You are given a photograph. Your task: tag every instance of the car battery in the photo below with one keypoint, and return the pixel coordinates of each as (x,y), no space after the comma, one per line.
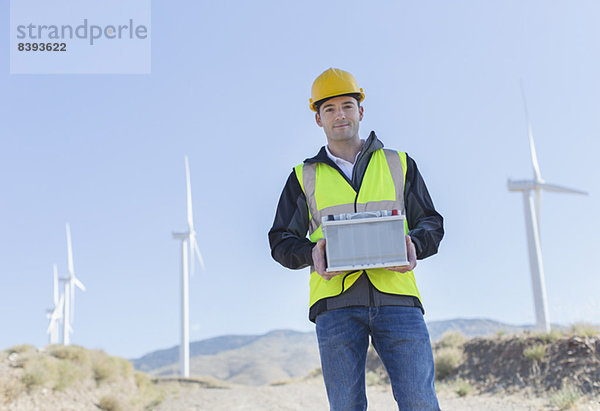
(366,240)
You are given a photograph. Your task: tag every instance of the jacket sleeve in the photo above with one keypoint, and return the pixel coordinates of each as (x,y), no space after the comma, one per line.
(425,224)
(287,237)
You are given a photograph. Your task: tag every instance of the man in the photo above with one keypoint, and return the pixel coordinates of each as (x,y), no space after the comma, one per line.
(354,175)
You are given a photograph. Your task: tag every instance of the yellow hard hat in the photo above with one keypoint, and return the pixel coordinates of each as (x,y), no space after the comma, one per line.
(334,82)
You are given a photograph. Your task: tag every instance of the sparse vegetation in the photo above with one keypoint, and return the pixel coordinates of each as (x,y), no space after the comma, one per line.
(583,330)
(371,378)
(106,368)
(446,361)
(281,382)
(537,363)
(69,373)
(463,388)
(451,339)
(110,403)
(61,368)
(151,401)
(73,353)
(39,370)
(448,354)
(149,394)
(552,336)
(10,390)
(565,398)
(21,349)
(535,353)
(500,333)
(141,380)
(317,372)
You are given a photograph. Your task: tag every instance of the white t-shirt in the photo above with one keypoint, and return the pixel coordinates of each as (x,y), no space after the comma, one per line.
(344,165)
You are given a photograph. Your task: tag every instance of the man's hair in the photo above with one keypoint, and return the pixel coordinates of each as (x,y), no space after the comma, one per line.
(319,103)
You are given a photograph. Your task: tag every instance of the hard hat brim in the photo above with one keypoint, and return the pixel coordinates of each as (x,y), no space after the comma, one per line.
(360,96)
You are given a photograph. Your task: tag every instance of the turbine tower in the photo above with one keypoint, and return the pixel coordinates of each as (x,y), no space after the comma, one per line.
(70,283)
(55,314)
(188,237)
(531,190)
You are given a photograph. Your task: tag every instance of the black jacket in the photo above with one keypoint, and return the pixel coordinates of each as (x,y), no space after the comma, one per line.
(287,237)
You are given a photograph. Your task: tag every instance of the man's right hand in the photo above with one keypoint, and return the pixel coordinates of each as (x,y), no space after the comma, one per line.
(320,263)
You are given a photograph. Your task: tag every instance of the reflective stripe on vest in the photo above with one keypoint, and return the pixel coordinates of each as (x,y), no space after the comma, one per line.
(328,192)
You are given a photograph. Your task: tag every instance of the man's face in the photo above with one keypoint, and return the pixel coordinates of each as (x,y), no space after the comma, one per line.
(339,117)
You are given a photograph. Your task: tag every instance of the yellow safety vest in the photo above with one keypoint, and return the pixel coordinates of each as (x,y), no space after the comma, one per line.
(328,192)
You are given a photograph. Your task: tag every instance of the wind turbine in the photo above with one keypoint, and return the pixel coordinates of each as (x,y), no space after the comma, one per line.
(55,314)
(531,190)
(188,237)
(70,283)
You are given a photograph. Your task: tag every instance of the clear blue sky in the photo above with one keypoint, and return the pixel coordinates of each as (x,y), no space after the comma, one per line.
(229,87)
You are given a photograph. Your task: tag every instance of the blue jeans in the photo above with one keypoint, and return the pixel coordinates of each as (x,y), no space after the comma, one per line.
(400,337)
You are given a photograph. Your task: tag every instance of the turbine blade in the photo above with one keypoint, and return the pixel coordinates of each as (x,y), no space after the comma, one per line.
(560,189)
(197,252)
(192,244)
(534,160)
(538,205)
(79,284)
(56,315)
(72,301)
(59,308)
(55,284)
(190,216)
(70,251)
(49,329)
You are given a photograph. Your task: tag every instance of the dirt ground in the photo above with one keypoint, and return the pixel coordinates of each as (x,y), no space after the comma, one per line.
(310,395)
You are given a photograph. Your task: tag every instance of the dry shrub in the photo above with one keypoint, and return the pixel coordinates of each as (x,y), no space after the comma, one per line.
(11,389)
(149,395)
(152,401)
(279,383)
(463,388)
(317,372)
(110,403)
(39,371)
(373,378)
(125,367)
(141,380)
(451,339)
(553,336)
(69,373)
(446,361)
(21,349)
(584,330)
(565,398)
(73,353)
(105,369)
(59,367)
(535,353)
(108,368)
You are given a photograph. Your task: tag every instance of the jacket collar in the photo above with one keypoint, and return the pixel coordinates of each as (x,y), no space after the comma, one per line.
(371,144)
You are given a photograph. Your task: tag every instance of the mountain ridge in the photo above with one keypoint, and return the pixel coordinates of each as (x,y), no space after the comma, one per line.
(281,354)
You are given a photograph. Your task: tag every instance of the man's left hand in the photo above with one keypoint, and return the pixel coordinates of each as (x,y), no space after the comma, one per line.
(412,258)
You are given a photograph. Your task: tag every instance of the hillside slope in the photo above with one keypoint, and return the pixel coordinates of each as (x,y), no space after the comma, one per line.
(72,378)
(277,355)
